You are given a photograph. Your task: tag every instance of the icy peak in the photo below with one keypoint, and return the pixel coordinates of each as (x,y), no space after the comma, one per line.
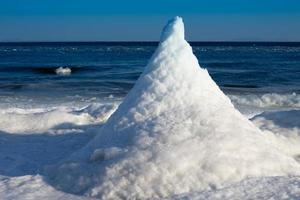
(174,28)
(175,132)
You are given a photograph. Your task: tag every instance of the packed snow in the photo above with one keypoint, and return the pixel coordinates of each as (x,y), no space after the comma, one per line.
(249,189)
(40,120)
(282,128)
(32,187)
(175,132)
(174,136)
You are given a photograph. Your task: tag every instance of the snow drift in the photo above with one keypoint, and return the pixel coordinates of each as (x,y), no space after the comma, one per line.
(267,100)
(250,189)
(175,132)
(33,121)
(282,128)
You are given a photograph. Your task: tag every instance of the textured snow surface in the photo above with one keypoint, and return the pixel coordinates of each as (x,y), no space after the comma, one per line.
(249,189)
(268,100)
(31,187)
(22,121)
(175,132)
(282,128)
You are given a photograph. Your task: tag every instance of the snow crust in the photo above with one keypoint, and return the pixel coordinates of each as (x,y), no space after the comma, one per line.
(31,187)
(35,187)
(249,189)
(253,104)
(30,121)
(282,128)
(268,100)
(175,132)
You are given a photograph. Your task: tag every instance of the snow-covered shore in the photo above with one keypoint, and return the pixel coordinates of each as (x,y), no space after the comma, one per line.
(176,136)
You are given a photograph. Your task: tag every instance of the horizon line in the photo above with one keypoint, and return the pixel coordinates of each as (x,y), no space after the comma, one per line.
(152,43)
(58,41)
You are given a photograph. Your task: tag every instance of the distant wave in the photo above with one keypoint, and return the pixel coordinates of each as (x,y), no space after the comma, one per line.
(228,64)
(63,71)
(12,86)
(46,69)
(239,86)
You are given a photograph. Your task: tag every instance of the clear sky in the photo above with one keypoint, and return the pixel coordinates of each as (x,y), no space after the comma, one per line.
(142,20)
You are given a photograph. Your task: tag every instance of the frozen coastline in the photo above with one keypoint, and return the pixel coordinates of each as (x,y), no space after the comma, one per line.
(166,138)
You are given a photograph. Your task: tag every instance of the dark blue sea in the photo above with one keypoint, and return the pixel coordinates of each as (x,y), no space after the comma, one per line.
(253,74)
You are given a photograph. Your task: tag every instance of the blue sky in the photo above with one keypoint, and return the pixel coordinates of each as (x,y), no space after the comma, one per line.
(136,20)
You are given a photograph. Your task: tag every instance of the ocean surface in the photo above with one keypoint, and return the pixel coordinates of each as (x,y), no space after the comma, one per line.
(252,74)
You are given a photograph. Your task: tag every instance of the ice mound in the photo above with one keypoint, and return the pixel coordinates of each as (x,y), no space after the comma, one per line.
(63,71)
(175,132)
